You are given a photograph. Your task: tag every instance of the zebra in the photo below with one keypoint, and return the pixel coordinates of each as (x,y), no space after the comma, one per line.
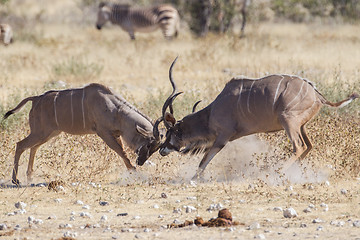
(133,19)
(6,34)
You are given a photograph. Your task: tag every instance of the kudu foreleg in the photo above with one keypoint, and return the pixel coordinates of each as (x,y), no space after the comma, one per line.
(218,145)
(116,145)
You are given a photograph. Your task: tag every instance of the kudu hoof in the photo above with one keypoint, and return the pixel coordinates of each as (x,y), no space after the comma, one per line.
(16,182)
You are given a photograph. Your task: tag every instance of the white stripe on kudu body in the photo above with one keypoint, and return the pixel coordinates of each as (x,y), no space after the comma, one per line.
(82,107)
(55,98)
(211,128)
(248,99)
(72,108)
(277,91)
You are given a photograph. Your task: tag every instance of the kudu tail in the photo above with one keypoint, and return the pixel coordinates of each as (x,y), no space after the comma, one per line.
(19,106)
(342,103)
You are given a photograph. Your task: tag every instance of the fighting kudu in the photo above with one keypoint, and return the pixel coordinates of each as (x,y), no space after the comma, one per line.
(93,109)
(244,107)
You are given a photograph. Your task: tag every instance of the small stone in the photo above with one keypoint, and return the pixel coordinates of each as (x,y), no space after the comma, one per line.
(20,205)
(356,223)
(79,202)
(177,210)
(156,206)
(72,218)
(176,221)
(136,217)
(343,191)
(103,203)
(69,234)
(161,216)
(122,214)
(103,218)
(327,183)
(319,228)
(190,209)
(303,225)
(85,215)
(86,207)
(310,187)
(58,200)
(177,201)
(317,220)
(254,225)
(38,221)
(278,209)
(3,226)
(30,219)
(17,227)
(147,230)
(260,236)
(191,198)
(289,213)
(242,201)
(290,188)
(307,210)
(163,195)
(193,183)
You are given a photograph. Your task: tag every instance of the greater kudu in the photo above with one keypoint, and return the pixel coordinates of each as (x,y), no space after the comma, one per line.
(244,107)
(93,109)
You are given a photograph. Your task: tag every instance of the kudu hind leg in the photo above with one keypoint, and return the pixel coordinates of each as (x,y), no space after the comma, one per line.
(116,145)
(296,137)
(307,142)
(30,141)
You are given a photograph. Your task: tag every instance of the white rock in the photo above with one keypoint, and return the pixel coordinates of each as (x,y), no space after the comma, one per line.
(242,201)
(156,206)
(327,183)
(126,230)
(193,183)
(260,236)
(254,225)
(176,221)
(103,218)
(191,198)
(3,226)
(86,207)
(278,209)
(38,221)
(319,228)
(72,218)
(60,189)
(214,207)
(177,210)
(311,205)
(79,202)
(11,214)
(356,223)
(136,217)
(147,230)
(290,188)
(317,220)
(161,216)
(289,213)
(190,209)
(58,200)
(70,234)
(20,211)
(20,205)
(343,191)
(30,219)
(73,213)
(85,215)
(307,210)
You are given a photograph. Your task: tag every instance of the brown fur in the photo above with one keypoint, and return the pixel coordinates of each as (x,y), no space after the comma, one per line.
(244,107)
(93,109)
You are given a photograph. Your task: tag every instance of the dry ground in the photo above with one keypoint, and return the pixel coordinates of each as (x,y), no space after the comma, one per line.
(58,54)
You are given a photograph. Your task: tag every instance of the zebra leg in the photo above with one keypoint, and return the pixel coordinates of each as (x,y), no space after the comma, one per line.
(132,35)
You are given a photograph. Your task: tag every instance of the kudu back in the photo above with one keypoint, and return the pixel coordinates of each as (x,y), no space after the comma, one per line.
(93,109)
(244,107)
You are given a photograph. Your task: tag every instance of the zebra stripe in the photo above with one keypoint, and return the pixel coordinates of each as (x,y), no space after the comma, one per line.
(134,20)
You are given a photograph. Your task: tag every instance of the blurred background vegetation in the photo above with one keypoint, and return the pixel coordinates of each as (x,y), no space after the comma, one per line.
(219,16)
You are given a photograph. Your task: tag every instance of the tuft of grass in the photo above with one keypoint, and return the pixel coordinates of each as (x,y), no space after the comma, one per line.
(76,69)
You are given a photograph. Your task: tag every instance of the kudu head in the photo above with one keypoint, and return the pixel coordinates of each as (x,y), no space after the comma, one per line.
(174,129)
(152,142)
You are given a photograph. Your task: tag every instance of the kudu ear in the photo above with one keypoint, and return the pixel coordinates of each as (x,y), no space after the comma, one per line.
(142,131)
(169,118)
